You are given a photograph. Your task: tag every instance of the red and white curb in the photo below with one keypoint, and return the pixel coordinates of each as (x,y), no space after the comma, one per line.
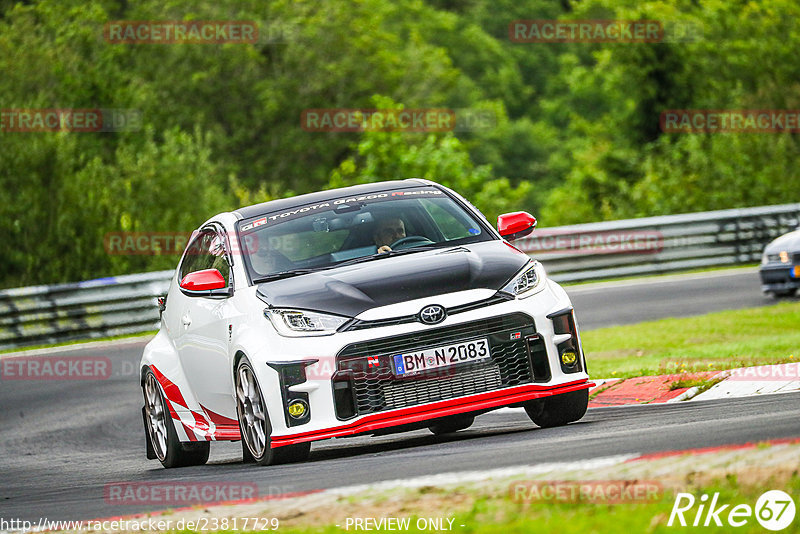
(732,383)
(750,381)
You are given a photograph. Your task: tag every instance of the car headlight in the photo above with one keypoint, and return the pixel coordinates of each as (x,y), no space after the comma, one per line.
(299,323)
(764,259)
(528,282)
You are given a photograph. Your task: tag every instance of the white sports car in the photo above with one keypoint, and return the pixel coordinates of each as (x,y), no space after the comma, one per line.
(372,309)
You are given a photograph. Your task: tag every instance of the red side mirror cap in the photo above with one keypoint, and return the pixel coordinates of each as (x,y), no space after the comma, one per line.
(205,280)
(515,225)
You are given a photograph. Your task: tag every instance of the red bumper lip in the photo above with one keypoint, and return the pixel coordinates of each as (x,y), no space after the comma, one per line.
(491,399)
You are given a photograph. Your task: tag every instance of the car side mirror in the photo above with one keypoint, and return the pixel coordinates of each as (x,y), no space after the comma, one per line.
(205,283)
(515,225)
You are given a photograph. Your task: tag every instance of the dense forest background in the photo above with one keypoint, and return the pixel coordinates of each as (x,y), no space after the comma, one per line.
(576,138)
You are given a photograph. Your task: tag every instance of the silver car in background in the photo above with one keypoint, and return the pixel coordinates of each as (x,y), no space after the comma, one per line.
(780,265)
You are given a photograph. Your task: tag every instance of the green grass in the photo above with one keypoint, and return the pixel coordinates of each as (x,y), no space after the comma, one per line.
(564,518)
(500,514)
(712,342)
(702,384)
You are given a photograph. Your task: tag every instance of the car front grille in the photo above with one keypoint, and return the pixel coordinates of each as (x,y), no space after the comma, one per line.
(398,394)
(515,351)
(776,276)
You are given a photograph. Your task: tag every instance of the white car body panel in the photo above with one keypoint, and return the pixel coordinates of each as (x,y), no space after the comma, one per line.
(195,363)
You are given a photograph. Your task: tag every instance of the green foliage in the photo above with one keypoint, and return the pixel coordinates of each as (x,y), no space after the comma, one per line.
(624,166)
(72,201)
(440,157)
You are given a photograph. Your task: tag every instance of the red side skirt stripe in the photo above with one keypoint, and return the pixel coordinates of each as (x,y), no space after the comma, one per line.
(226,428)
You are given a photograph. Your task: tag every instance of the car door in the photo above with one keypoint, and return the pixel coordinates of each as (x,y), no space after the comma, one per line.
(203,339)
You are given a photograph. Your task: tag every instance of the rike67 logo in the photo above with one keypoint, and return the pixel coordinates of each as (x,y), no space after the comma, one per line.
(774,510)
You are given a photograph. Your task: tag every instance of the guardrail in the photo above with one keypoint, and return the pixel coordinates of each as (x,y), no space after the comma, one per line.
(655,245)
(127,304)
(83,310)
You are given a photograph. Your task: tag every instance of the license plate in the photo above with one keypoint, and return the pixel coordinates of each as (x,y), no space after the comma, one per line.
(445,356)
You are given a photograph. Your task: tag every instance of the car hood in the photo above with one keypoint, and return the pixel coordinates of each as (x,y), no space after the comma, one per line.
(353,289)
(789,242)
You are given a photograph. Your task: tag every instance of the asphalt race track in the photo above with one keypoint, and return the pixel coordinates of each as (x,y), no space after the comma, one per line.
(634,301)
(63,441)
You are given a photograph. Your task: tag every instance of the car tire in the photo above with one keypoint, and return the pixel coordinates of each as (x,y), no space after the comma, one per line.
(160,428)
(254,423)
(783,294)
(282,455)
(559,409)
(289,454)
(451,424)
(247,458)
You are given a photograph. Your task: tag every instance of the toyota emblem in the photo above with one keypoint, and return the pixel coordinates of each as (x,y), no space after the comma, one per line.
(433,314)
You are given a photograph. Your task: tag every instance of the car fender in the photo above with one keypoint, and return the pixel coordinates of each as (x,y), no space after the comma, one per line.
(161,358)
(259,347)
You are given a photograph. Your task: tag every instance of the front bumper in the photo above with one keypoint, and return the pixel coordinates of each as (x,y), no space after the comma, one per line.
(526,336)
(415,414)
(364,382)
(779,277)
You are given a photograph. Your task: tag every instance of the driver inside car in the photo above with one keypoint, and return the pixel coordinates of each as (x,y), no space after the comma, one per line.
(387,232)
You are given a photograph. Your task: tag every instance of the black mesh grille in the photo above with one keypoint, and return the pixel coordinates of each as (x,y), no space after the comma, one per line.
(399,394)
(775,276)
(377,389)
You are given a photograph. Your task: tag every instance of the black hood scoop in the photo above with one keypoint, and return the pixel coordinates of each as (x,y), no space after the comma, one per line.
(353,289)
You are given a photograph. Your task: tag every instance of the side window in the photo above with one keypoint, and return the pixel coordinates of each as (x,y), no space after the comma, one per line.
(216,253)
(206,251)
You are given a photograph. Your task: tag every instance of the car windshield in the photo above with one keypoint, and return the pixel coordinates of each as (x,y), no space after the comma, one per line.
(354,229)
